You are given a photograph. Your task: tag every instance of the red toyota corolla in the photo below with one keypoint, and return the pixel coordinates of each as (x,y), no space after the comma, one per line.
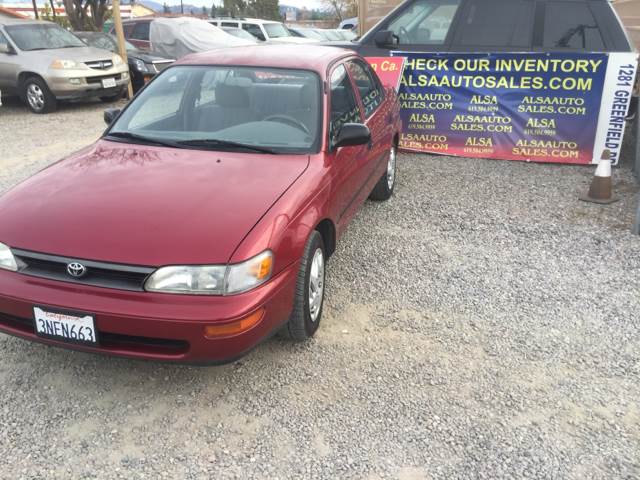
(200,223)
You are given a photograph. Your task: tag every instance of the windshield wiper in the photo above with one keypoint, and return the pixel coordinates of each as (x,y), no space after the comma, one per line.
(213,143)
(143,139)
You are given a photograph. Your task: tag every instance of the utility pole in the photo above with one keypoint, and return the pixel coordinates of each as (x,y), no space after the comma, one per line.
(35,9)
(122,49)
(181,7)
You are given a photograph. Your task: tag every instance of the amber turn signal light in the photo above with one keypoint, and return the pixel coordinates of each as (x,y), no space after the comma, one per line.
(235,327)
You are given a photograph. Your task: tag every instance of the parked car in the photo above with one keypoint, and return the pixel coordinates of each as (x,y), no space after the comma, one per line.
(304,32)
(143,66)
(349,24)
(43,63)
(496,25)
(263,30)
(136,31)
(240,33)
(201,221)
(182,36)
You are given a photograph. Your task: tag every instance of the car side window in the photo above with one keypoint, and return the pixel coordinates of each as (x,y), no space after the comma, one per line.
(141,31)
(370,91)
(254,30)
(496,23)
(344,107)
(4,41)
(425,22)
(571,25)
(229,24)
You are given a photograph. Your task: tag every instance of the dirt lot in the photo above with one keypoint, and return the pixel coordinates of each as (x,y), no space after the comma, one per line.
(481,324)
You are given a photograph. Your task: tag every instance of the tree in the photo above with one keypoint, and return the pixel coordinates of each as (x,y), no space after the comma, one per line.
(234,8)
(86,14)
(205,12)
(214,10)
(166,8)
(266,9)
(342,9)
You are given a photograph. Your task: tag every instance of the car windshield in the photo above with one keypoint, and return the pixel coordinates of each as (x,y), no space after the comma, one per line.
(42,37)
(238,32)
(277,30)
(104,41)
(223,107)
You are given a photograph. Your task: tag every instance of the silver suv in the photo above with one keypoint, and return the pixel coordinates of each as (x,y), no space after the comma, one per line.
(43,63)
(263,30)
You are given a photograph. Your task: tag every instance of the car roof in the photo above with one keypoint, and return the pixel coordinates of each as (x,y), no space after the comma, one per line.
(317,58)
(241,19)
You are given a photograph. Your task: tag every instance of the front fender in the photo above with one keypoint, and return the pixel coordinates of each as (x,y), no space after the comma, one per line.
(287,225)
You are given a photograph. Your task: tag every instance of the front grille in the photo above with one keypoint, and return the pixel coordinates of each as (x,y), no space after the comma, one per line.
(98,274)
(100,64)
(108,340)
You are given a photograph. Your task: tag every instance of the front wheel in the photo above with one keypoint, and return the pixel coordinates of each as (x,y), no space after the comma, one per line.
(384,188)
(37,96)
(309,296)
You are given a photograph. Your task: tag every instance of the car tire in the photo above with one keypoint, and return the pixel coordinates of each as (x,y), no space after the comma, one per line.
(309,295)
(37,96)
(112,98)
(384,188)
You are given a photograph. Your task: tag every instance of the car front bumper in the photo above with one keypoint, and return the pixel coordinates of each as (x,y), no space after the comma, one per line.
(146,325)
(77,84)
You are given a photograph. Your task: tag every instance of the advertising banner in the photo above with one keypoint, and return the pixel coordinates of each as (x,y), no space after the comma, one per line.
(389,70)
(541,107)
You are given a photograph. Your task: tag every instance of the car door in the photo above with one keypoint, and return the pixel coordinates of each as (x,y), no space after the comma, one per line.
(9,67)
(371,96)
(495,26)
(417,26)
(346,162)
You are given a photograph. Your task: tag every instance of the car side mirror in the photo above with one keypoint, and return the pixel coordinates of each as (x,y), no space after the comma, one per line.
(352,134)
(5,48)
(110,114)
(385,38)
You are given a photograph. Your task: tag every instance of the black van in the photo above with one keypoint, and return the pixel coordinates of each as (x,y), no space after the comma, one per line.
(497,25)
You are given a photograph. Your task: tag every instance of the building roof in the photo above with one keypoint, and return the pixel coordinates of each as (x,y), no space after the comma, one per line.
(7,12)
(306,57)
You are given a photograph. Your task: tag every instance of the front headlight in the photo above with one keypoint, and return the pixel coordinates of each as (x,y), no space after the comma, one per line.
(7,260)
(212,279)
(117,59)
(140,65)
(65,65)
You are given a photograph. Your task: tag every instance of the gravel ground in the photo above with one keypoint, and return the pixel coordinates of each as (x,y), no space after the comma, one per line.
(481,324)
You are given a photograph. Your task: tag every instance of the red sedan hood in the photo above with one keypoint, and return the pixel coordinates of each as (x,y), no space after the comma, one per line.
(145,205)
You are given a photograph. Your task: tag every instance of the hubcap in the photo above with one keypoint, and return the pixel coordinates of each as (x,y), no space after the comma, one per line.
(35,96)
(391,168)
(316,284)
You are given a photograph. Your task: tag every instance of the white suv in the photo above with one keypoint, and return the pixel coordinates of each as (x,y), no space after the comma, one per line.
(263,30)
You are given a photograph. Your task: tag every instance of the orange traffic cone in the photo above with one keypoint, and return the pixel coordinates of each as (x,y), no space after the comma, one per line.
(600,190)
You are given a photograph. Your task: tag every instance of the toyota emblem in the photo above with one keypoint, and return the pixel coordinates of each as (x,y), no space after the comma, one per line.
(76,269)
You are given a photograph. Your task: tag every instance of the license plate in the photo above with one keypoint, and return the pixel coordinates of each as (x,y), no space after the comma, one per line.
(108,82)
(65,327)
